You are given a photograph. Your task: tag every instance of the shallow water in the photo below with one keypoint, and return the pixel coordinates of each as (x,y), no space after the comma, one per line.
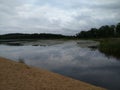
(70,59)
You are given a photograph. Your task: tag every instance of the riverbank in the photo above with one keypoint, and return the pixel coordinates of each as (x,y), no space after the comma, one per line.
(18,76)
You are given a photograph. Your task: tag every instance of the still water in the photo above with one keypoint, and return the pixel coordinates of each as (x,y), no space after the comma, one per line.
(70,59)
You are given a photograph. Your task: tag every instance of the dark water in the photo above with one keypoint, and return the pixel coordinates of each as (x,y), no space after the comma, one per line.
(70,59)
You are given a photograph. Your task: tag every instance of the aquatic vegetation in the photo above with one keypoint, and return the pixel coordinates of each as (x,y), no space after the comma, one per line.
(110,47)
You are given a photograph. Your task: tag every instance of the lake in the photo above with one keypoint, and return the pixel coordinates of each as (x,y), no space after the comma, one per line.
(69,58)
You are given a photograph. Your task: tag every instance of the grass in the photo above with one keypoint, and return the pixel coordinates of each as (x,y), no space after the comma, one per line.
(21,60)
(110,47)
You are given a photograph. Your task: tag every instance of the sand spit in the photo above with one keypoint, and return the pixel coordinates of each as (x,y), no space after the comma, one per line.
(18,76)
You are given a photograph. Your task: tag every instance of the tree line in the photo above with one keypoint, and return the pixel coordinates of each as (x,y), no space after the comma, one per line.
(102,32)
(33,36)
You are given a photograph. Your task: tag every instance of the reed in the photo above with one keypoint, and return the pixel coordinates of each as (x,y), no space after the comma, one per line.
(110,47)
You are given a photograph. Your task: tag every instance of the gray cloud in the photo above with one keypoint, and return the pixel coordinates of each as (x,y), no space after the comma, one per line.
(53,16)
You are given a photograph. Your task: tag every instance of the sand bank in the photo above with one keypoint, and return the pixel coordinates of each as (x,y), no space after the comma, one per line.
(18,76)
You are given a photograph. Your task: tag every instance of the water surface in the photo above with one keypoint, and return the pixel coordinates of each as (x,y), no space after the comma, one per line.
(69,58)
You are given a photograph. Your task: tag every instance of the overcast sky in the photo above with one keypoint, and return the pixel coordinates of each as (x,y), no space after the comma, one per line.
(56,16)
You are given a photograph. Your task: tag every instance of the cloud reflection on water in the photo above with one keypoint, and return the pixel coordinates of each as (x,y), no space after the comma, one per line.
(71,60)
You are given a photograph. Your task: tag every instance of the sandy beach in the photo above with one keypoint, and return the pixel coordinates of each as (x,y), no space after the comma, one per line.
(18,76)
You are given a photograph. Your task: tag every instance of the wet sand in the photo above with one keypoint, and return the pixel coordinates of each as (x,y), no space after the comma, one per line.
(18,76)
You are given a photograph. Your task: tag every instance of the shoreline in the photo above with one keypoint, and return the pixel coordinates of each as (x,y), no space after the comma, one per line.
(19,76)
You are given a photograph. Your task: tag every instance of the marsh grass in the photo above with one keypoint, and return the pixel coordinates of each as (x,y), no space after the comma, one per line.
(110,47)
(21,60)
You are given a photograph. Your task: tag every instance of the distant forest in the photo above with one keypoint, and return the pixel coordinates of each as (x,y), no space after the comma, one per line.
(106,31)
(33,36)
